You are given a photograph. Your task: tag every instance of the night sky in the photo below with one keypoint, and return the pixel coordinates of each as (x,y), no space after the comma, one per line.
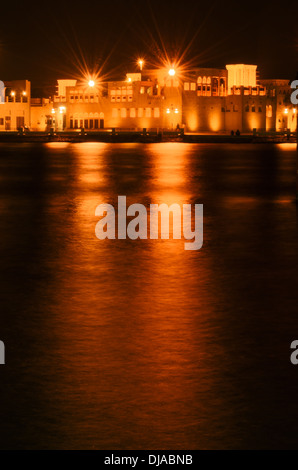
(52,41)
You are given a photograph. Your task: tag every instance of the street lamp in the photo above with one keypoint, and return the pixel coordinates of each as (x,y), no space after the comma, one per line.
(172,72)
(91,83)
(141,64)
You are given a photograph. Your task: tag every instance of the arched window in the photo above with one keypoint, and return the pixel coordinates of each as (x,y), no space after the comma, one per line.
(222,87)
(199,87)
(208,88)
(269,111)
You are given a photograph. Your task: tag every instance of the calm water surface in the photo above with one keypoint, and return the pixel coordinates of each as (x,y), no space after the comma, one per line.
(142,345)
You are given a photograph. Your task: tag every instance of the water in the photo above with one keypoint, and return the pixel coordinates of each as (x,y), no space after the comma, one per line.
(142,345)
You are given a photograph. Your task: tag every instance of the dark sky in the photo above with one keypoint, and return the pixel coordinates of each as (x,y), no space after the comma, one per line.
(51,41)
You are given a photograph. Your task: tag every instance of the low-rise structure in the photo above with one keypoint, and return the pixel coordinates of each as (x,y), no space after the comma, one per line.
(15,105)
(201,100)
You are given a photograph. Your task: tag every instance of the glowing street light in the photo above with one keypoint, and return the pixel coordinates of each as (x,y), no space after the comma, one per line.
(286,111)
(24,93)
(172,72)
(12,93)
(91,83)
(141,64)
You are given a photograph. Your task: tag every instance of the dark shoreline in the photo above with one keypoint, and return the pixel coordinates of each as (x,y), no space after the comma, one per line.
(141,137)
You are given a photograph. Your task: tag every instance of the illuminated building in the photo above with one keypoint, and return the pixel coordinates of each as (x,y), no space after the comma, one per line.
(42,117)
(152,101)
(201,100)
(15,109)
(280,112)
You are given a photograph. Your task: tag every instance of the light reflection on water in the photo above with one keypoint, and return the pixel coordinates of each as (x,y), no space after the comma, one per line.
(142,345)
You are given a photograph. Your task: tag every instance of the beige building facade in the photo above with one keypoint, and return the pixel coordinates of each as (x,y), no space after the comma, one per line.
(15,106)
(202,100)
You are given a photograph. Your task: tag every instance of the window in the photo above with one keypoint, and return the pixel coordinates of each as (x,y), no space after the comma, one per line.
(269,111)
(70,125)
(140,112)
(123,98)
(253,109)
(247,108)
(123,112)
(260,109)
(236,109)
(95,123)
(193,87)
(91,124)
(156,112)
(186,86)
(114,113)
(222,87)
(1,122)
(132,112)
(148,112)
